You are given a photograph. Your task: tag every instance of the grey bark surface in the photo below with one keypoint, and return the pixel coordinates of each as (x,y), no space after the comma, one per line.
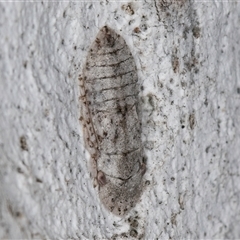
(188,57)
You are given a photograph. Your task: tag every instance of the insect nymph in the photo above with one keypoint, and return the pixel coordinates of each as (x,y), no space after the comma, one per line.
(112,128)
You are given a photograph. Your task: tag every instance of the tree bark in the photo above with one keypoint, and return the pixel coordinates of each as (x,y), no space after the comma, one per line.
(187,55)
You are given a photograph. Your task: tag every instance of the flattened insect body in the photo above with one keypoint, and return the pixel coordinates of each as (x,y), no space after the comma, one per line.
(112,128)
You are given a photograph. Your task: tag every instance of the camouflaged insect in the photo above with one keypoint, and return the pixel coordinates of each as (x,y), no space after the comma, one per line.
(112,129)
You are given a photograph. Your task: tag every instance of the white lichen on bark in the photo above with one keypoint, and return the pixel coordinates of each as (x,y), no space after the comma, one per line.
(187,56)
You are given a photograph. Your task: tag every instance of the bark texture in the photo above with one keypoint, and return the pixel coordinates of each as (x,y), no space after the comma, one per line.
(188,59)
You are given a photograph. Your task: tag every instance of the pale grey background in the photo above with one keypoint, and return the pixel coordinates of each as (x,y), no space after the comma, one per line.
(187,55)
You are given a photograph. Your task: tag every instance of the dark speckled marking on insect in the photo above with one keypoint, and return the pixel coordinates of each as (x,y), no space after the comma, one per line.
(112,129)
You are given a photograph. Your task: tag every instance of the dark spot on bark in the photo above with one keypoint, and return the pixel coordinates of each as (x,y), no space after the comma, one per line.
(137,30)
(23,143)
(19,170)
(192,120)
(133,233)
(196,32)
(38,180)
